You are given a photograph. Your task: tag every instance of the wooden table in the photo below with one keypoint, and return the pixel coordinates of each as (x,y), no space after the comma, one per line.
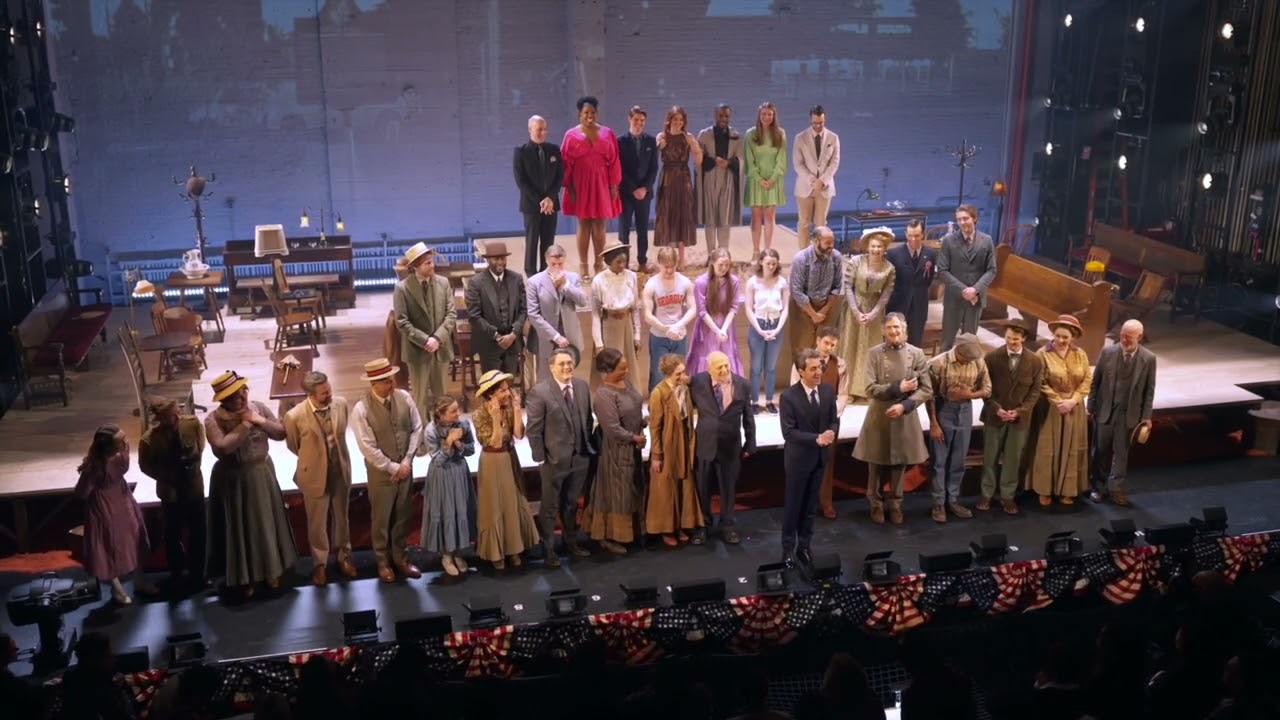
(288,388)
(165,343)
(207,284)
(862,219)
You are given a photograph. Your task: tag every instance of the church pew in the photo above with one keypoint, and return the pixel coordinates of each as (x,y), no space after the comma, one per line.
(1132,253)
(1045,293)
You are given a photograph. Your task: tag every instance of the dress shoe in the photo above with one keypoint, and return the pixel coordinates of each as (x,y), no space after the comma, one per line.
(959,510)
(731,536)
(499,564)
(551,560)
(773,409)
(1096,496)
(895,515)
(829,513)
(756,409)
(386,574)
(347,568)
(409,570)
(1119,498)
(789,557)
(699,537)
(449,568)
(515,560)
(877,515)
(804,556)
(1010,507)
(273,584)
(984,504)
(319,576)
(1067,500)
(1046,500)
(939,514)
(613,547)
(576,549)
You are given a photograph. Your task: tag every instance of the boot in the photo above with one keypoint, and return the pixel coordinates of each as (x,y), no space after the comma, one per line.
(895,512)
(877,514)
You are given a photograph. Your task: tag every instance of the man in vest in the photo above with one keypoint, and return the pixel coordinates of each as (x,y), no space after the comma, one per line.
(835,372)
(388,429)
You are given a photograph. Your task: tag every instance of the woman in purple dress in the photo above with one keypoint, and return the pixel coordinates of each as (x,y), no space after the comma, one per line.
(115,538)
(718,298)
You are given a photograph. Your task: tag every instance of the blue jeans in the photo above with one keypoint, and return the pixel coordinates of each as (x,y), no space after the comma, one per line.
(659,346)
(764,359)
(956,419)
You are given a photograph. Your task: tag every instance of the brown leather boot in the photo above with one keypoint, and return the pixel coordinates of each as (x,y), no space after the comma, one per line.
(895,513)
(877,514)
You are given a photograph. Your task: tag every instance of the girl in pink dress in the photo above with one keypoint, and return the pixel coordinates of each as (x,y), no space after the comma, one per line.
(592,172)
(115,538)
(718,297)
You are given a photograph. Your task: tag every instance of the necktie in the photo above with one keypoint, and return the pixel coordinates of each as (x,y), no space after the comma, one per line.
(719,393)
(568,396)
(387,404)
(636,140)
(542,155)
(1014,358)
(817,145)
(431,301)
(813,399)
(1126,357)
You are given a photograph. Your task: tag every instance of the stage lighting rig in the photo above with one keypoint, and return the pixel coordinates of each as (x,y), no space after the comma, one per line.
(42,603)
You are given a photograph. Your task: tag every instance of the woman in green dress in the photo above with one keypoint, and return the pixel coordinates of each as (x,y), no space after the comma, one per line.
(765,150)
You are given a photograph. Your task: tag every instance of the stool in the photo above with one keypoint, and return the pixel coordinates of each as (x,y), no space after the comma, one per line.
(462,368)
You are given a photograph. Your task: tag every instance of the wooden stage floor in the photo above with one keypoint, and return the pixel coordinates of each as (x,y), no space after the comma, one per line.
(1202,364)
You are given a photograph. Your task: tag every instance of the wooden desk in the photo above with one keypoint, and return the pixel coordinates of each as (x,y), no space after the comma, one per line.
(207,285)
(238,254)
(288,389)
(862,219)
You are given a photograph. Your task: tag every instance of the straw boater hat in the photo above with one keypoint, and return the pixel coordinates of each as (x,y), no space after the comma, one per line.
(490,380)
(1021,324)
(226,385)
(881,232)
(496,248)
(416,253)
(613,246)
(967,346)
(1067,321)
(379,369)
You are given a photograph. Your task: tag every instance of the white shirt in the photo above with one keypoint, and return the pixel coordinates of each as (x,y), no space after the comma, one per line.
(368,444)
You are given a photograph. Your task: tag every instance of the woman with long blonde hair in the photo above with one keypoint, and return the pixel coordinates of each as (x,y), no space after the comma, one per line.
(765,150)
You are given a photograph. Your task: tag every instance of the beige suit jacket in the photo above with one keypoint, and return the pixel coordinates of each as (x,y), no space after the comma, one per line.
(305,439)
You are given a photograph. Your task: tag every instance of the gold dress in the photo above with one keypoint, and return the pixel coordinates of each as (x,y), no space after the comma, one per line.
(870,289)
(504,524)
(1060,467)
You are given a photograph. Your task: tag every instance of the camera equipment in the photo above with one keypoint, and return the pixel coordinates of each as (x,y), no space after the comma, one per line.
(43,602)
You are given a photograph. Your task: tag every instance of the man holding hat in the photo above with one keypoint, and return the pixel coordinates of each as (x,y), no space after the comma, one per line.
(170,454)
(496,307)
(1120,397)
(1006,415)
(958,376)
(388,429)
(426,317)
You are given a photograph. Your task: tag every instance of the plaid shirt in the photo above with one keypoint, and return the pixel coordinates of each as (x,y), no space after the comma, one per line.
(814,279)
(946,373)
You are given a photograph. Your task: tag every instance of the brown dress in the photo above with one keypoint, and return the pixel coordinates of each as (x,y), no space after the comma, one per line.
(675,220)
(1061,464)
(504,524)
(614,500)
(672,504)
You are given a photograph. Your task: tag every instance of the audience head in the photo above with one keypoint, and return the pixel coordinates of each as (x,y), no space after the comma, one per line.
(93,651)
(8,650)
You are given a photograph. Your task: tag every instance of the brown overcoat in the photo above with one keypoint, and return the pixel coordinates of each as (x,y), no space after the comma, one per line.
(672,503)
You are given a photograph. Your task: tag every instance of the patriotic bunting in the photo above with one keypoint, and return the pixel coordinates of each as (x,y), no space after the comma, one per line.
(897,606)
(627,637)
(764,622)
(482,653)
(143,687)
(1242,553)
(1138,568)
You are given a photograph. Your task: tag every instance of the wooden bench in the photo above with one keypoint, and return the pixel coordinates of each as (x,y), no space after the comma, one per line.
(55,336)
(1132,253)
(1046,293)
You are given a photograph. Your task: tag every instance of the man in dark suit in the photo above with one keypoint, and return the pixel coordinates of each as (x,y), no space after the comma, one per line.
(1015,371)
(496,307)
(722,401)
(539,175)
(638,152)
(967,264)
(809,427)
(559,432)
(1120,397)
(915,267)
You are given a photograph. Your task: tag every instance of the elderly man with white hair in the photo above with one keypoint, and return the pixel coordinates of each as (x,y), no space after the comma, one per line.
(1120,397)
(539,172)
(725,433)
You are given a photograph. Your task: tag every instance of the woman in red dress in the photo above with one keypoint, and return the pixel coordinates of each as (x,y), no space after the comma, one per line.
(591,176)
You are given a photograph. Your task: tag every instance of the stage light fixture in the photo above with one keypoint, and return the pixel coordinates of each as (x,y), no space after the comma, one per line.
(878,569)
(1121,534)
(1213,522)
(1117,113)
(485,611)
(1139,25)
(689,592)
(826,570)
(60,123)
(42,602)
(1062,546)
(639,592)
(1048,148)
(946,562)
(771,579)
(339,225)
(1067,20)
(1202,127)
(1227,31)
(185,650)
(1048,102)
(360,627)
(566,603)
(1122,162)
(6,164)
(1173,536)
(63,181)
(990,549)
(1206,181)
(428,627)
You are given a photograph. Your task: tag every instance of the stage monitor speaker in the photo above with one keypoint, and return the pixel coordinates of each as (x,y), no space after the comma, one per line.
(428,627)
(1173,535)
(946,562)
(133,659)
(696,591)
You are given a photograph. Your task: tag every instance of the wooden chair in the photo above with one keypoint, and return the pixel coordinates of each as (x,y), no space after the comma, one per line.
(290,320)
(1146,295)
(312,300)
(39,367)
(183,319)
(1096,254)
(936,233)
(463,367)
(144,392)
(1020,237)
(191,354)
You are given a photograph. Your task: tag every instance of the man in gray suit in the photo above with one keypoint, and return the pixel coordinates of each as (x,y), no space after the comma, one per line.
(559,432)
(724,418)
(496,308)
(967,265)
(423,304)
(553,298)
(1120,396)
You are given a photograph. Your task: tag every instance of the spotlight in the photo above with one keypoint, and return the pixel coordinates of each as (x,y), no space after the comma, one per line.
(990,549)
(1122,162)
(427,627)
(1067,20)
(360,627)
(185,650)
(1117,113)
(771,579)
(1212,524)
(485,611)
(946,562)
(697,591)
(640,592)
(1227,31)
(1202,127)
(1173,536)
(65,182)
(60,123)
(825,571)
(1048,148)
(567,603)
(1062,546)
(1121,534)
(1048,102)
(878,569)
(28,138)
(6,164)
(1139,25)
(1036,221)
(1206,181)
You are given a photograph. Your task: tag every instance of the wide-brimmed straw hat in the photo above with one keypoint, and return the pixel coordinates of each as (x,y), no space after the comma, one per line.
(227,384)
(882,232)
(1068,321)
(613,246)
(379,369)
(416,253)
(490,380)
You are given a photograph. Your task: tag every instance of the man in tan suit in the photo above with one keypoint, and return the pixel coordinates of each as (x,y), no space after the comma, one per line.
(316,432)
(1015,371)
(426,317)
